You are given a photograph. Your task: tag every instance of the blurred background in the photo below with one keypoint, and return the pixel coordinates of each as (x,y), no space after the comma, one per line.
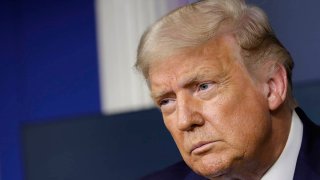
(71,105)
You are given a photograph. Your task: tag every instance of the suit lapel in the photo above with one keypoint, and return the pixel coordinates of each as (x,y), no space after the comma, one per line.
(308,163)
(194,176)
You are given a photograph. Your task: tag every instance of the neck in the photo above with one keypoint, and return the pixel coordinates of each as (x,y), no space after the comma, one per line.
(281,123)
(272,149)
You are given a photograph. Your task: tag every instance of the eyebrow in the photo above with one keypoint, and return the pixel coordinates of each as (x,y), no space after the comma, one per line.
(159,95)
(202,74)
(195,77)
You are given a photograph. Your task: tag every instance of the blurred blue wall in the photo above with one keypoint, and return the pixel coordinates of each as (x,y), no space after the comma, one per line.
(11,87)
(48,69)
(297,25)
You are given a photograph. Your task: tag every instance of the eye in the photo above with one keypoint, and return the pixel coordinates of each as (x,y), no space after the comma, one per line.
(166,105)
(164,102)
(204,86)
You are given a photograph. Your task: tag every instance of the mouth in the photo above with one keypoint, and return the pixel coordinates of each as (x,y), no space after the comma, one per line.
(202,147)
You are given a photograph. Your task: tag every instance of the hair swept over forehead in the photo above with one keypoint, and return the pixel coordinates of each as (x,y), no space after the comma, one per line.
(195,24)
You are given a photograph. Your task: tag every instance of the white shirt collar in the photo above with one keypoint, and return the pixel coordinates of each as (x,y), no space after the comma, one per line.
(284,167)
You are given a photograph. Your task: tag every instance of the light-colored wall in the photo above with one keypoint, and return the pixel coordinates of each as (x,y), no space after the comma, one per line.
(120,24)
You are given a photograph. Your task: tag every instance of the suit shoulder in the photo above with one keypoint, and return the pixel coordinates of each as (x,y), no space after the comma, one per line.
(176,171)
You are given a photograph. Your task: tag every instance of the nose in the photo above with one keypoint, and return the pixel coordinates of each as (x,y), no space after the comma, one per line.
(189,113)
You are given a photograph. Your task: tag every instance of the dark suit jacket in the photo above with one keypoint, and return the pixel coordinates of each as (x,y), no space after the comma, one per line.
(307,167)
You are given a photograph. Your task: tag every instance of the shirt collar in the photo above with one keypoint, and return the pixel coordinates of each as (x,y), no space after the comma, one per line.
(284,167)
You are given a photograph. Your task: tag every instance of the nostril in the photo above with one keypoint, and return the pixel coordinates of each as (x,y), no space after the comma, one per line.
(191,121)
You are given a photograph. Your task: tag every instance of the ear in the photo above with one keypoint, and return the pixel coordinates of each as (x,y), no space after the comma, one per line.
(277,86)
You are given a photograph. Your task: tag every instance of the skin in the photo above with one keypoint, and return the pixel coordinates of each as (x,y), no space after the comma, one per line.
(226,124)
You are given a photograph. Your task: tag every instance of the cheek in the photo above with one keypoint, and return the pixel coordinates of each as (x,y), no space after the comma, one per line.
(249,127)
(238,118)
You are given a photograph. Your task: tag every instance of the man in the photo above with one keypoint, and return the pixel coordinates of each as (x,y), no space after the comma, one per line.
(222,81)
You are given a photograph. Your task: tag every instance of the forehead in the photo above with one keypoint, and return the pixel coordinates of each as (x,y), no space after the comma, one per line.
(212,58)
(220,45)
(220,51)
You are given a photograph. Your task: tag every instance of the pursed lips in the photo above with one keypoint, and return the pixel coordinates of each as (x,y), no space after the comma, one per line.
(200,146)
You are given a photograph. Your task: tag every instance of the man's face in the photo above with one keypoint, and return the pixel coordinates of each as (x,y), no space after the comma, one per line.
(217,114)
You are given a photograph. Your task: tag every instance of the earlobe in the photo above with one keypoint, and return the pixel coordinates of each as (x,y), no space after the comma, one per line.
(277,84)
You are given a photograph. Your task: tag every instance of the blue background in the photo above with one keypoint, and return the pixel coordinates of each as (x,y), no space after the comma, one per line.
(49,70)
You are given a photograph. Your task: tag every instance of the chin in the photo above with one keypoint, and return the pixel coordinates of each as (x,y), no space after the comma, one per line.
(211,167)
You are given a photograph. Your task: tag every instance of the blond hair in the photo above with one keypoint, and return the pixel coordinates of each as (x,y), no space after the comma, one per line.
(195,24)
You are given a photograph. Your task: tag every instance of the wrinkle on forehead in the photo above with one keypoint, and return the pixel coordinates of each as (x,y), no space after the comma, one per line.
(222,51)
(219,47)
